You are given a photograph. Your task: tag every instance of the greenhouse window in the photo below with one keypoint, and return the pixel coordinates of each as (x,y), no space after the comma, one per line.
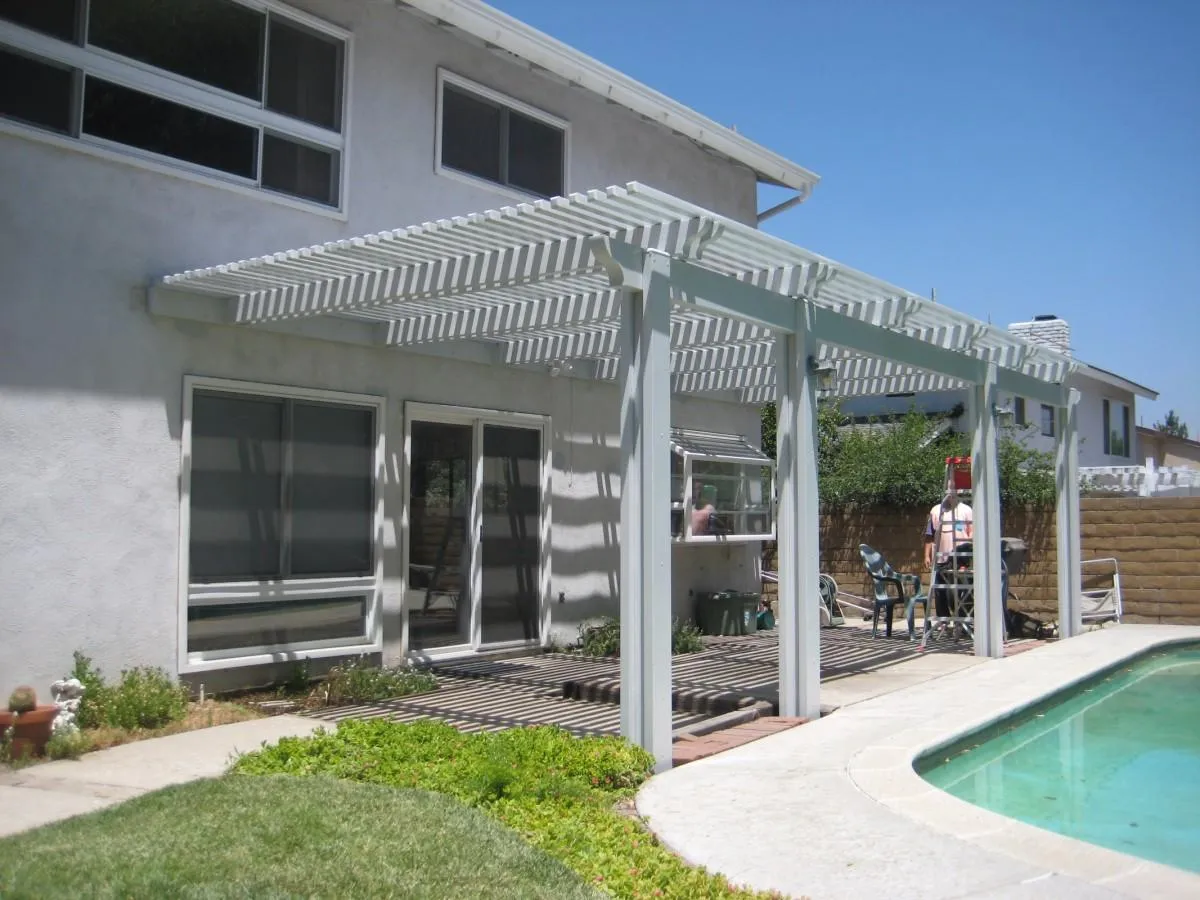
(723,488)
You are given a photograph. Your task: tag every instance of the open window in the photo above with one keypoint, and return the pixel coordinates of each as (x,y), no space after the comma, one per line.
(724,488)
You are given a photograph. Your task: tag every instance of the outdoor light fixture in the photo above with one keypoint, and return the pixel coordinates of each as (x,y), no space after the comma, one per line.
(825,375)
(1004,415)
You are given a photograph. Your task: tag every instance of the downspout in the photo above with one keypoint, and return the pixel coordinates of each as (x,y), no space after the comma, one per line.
(787,204)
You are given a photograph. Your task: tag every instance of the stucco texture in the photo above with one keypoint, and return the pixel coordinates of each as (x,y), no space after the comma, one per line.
(91,385)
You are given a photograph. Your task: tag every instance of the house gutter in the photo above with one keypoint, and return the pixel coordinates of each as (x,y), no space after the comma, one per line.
(787,204)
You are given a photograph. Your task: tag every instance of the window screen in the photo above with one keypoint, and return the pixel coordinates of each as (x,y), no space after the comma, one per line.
(280,488)
(236,502)
(332,489)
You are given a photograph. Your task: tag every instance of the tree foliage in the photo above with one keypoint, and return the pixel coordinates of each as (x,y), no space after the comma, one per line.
(905,465)
(1172,426)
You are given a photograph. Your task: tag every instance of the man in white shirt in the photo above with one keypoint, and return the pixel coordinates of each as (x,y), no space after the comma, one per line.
(948,524)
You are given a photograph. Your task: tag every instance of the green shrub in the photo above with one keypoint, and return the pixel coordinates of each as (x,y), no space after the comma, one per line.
(685,638)
(604,638)
(557,791)
(93,707)
(601,639)
(299,680)
(146,697)
(361,682)
(67,745)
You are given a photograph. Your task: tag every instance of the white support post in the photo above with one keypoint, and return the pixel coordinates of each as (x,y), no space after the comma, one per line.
(985,477)
(645,379)
(799,525)
(1070,576)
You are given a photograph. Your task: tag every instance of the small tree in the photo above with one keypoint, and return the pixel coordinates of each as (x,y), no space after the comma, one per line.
(905,466)
(1172,426)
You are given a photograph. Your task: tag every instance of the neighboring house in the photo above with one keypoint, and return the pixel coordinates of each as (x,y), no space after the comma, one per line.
(1108,435)
(1167,450)
(204,498)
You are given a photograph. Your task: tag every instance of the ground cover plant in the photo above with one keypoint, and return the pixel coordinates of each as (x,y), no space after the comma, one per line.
(560,793)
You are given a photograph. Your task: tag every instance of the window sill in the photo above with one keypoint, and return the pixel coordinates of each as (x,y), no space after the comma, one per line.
(138,160)
(196,662)
(501,190)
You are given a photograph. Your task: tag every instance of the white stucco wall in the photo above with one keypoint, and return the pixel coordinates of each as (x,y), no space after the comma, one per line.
(91,385)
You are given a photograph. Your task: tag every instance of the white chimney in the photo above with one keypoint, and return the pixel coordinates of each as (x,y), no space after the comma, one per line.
(1049,330)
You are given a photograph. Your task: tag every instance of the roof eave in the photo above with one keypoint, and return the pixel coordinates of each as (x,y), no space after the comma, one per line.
(493,27)
(1111,378)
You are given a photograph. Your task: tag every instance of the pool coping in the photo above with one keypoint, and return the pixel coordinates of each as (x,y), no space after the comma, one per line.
(866,751)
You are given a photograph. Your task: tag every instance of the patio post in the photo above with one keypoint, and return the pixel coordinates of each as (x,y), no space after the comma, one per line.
(985,477)
(645,540)
(799,524)
(1070,581)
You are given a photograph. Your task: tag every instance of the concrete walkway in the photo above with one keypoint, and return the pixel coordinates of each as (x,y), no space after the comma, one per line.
(833,809)
(48,792)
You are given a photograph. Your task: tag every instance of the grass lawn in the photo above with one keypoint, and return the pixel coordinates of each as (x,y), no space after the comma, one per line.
(564,795)
(279,836)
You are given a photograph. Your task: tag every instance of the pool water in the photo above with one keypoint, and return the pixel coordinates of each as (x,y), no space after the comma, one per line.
(1115,761)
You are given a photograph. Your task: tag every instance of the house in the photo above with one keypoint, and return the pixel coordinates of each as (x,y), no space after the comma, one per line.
(1108,435)
(222,455)
(1168,451)
(141,152)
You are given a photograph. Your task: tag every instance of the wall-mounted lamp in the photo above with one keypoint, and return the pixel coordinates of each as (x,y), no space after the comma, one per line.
(824,374)
(1004,415)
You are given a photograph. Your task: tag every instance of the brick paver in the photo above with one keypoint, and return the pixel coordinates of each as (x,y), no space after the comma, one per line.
(691,749)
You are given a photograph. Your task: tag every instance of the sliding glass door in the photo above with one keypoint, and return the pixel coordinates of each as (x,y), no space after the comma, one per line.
(510,544)
(476,507)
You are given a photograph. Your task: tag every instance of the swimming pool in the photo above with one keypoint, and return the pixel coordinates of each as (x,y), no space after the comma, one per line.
(1114,761)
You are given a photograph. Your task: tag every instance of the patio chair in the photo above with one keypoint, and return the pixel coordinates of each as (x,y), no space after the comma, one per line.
(885,580)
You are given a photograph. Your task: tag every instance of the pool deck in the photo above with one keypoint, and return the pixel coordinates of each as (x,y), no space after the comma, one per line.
(833,809)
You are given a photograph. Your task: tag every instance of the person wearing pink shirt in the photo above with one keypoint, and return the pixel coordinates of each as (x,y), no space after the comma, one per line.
(948,524)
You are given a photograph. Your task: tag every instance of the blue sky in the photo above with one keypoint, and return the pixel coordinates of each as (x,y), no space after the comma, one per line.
(1021,157)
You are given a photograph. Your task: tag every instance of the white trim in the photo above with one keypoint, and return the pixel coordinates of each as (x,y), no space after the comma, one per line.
(282,589)
(444,77)
(544,52)
(131,156)
(92,61)
(477,419)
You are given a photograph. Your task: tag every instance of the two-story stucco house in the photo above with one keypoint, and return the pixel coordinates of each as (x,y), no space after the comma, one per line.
(1108,433)
(192,496)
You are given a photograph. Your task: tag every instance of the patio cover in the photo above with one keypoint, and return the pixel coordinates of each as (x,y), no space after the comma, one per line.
(632,284)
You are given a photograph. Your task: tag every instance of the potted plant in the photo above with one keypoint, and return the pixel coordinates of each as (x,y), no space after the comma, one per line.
(27,724)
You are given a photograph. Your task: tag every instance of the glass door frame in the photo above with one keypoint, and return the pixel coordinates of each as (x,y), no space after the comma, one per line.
(477,419)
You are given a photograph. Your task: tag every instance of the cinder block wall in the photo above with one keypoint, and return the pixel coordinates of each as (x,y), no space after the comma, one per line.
(1155,541)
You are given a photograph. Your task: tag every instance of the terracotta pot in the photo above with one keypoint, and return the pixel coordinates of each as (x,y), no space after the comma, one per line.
(30,730)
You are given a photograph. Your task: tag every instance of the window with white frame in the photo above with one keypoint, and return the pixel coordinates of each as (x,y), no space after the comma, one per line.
(487,135)
(281,522)
(1019,418)
(1047,420)
(1116,429)
(252,94)
(724,488)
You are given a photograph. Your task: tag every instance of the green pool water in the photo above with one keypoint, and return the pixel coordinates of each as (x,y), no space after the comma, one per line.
(1115,761)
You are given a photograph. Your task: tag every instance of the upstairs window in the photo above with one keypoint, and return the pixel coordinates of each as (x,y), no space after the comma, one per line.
(1116,429)
(251,94)
(483,134)
(1047,420)
(1019,412)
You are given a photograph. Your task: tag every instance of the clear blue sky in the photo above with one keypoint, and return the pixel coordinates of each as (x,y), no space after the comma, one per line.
(1022,156)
